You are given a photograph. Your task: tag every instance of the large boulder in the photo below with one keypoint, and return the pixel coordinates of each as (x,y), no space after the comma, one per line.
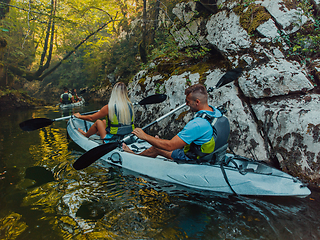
(292,126)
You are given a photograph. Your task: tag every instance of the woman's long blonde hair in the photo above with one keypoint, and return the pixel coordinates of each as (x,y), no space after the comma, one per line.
(119,97)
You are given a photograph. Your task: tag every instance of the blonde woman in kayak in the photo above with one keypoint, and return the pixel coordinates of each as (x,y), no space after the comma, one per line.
(118,114)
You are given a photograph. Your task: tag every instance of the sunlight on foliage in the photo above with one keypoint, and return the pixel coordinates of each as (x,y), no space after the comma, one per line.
(305,43)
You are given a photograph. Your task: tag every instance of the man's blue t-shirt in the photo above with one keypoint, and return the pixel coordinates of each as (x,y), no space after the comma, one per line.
(199,130)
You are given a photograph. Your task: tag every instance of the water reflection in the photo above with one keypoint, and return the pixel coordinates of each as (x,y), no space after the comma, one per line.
(42,195)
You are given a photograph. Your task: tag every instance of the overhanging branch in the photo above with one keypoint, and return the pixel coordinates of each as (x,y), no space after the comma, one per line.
(74,50)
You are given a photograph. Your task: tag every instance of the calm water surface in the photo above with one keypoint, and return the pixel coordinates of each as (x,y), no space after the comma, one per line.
(43,197)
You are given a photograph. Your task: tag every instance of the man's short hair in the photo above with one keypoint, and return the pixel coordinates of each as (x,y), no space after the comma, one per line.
(196,88)
(198,92)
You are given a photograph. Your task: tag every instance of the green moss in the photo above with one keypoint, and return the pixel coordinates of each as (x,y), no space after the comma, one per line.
(142,84)
(254,16)
(181,65)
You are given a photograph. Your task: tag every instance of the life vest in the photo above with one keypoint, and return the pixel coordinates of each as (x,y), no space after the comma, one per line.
(116,128)
(75,97)
(194,151)
(65,98)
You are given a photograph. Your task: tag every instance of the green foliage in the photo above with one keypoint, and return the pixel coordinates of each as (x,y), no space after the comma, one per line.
(24,32)
(188,81)
(159,88)
(305,44)
(102,54)
(166,47)
(75,72)
(246,3)
(197,53)
(8,91)
(306,8)
(15,52)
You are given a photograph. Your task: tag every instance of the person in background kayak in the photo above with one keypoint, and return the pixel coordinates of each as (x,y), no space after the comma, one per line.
(118,114)
(198,138)
(75,96)
(66,97)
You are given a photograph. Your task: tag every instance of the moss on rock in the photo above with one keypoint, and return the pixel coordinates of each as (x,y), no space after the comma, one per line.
(253,17)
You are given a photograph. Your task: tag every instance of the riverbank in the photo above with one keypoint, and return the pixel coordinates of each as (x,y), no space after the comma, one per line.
(12,99)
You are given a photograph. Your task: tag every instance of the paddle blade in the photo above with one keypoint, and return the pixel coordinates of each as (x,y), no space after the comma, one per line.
(93,155)
(36,123)
(157,98)
(229,77)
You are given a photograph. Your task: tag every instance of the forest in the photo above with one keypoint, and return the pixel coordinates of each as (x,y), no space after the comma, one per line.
(101,41)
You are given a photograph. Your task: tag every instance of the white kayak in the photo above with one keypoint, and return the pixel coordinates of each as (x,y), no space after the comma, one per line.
(71,105)
(237,175)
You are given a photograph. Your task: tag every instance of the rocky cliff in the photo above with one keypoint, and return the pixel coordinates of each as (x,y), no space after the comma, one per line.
(273,107)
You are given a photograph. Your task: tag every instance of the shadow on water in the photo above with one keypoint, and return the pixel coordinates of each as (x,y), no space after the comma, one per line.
(40,174)
(93,210)
(42,196)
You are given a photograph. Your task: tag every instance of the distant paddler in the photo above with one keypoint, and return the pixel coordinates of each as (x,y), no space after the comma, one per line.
(66,97)
(75,96)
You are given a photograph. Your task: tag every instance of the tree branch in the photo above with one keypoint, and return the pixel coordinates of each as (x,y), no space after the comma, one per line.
(74,50)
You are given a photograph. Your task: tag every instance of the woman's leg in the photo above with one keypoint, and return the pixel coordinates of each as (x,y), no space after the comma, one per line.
(99,127)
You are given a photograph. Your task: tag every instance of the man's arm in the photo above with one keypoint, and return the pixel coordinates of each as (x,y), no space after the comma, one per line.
(169,145)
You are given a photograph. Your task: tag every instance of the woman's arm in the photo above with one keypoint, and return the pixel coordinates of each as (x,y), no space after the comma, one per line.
(100,114)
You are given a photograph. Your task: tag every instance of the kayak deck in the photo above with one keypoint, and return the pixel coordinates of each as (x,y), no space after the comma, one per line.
(237,175)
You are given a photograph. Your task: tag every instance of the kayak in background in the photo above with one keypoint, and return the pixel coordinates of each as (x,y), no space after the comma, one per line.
(71,105)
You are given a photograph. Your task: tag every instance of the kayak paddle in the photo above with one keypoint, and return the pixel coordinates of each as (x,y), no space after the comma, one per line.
(94,154)
(36,123)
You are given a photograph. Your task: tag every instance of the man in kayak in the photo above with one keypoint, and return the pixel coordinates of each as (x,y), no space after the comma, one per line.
(66,97)
(206,132)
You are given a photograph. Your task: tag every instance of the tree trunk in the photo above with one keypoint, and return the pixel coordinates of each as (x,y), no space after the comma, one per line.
(155,23)
(142,45)
(50,34)
(4,8)
(69,54)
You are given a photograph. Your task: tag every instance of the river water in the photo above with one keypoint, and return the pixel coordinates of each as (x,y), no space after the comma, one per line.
(43,197)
